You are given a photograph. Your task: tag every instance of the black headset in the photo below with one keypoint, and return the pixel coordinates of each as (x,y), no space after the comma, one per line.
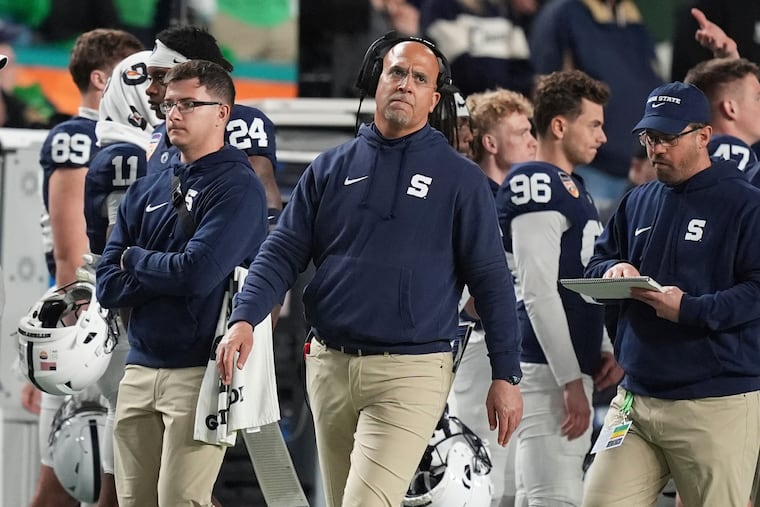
(443,116)
(372,64)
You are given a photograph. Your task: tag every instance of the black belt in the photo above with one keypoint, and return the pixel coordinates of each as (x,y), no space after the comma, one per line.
(349,350)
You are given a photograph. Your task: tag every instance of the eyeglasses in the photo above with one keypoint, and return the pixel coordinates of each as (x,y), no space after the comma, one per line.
(185,106)
(397,75)
(667,141)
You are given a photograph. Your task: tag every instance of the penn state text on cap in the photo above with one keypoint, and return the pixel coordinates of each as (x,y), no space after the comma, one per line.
(670,108)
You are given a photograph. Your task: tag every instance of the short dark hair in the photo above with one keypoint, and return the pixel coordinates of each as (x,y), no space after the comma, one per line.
(100,49)
(194,43)
(709,75)
(211,75)
(561,93)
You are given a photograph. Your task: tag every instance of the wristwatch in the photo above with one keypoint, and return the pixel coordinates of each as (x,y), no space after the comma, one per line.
(513,379)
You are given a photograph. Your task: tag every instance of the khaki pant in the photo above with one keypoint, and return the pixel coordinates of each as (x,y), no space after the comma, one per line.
(709,446)
(373,418)
(157,462)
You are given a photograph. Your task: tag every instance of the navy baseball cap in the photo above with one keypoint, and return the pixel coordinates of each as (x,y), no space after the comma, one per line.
(672,107)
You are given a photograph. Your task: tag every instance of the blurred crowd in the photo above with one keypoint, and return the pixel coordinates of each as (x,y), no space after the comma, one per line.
(247,30)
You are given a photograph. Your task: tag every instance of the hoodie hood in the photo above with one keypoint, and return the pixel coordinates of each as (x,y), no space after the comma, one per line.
(208,162)
(719,170)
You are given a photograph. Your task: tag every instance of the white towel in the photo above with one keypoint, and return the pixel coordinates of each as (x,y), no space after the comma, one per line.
(250,401)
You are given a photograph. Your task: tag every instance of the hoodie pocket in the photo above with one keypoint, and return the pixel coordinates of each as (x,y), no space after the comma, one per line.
(360,297)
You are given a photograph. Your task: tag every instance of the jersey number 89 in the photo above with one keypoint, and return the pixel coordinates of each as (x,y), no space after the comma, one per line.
(70,148)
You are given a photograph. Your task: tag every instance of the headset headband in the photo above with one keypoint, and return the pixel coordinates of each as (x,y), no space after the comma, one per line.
(372,63)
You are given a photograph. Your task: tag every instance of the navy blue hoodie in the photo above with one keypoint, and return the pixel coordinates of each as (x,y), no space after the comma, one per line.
(702,236)
(395,229)
(175,284)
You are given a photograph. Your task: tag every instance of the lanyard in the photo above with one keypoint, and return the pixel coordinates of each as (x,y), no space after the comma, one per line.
(625,408)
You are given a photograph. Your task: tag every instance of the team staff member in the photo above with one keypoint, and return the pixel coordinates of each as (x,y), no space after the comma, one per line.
(396,222)
(173,276)
(249,129)
(550,223)
(690,354)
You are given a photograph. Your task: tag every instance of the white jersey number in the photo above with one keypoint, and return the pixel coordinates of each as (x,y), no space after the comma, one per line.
(70,148)
(534,188)
(118,171)
(242,136)
(726,151)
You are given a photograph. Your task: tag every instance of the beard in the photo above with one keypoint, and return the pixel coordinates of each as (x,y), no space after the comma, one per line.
(397,117)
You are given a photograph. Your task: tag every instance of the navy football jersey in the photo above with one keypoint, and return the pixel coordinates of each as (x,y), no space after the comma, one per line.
(112,170)
(70,144)
(732,148)
(249,130)
(539,187)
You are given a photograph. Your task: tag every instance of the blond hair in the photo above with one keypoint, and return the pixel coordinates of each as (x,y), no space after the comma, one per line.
(488,108)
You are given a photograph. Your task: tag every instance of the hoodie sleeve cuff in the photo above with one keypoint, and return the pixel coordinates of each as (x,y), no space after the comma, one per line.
(505,365)
(689,313)
(131,257)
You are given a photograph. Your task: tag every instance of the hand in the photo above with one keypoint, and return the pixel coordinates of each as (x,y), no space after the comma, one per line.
(609,374)
(504,406)
(667,304)
(577,410)
(30,398)
(238,338)
(712,37)
(621,270)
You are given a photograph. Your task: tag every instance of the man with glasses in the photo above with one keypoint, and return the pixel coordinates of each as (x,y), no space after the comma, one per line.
(691,353)
(396,222)
(178,236)
(248,129)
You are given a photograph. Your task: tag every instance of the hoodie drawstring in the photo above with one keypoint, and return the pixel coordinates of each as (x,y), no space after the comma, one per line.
(398,185)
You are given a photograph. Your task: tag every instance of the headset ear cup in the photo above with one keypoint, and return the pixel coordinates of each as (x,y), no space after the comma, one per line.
(372,64)
(374,76)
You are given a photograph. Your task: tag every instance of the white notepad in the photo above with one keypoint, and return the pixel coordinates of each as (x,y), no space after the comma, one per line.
(610,288)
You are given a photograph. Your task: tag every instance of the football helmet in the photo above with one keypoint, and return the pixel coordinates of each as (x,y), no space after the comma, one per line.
(66,339)
(454,470)
(75,442)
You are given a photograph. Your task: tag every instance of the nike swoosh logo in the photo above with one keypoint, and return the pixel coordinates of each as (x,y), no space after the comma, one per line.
(350,181)
(150,208)
(639,230)
(658,105)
